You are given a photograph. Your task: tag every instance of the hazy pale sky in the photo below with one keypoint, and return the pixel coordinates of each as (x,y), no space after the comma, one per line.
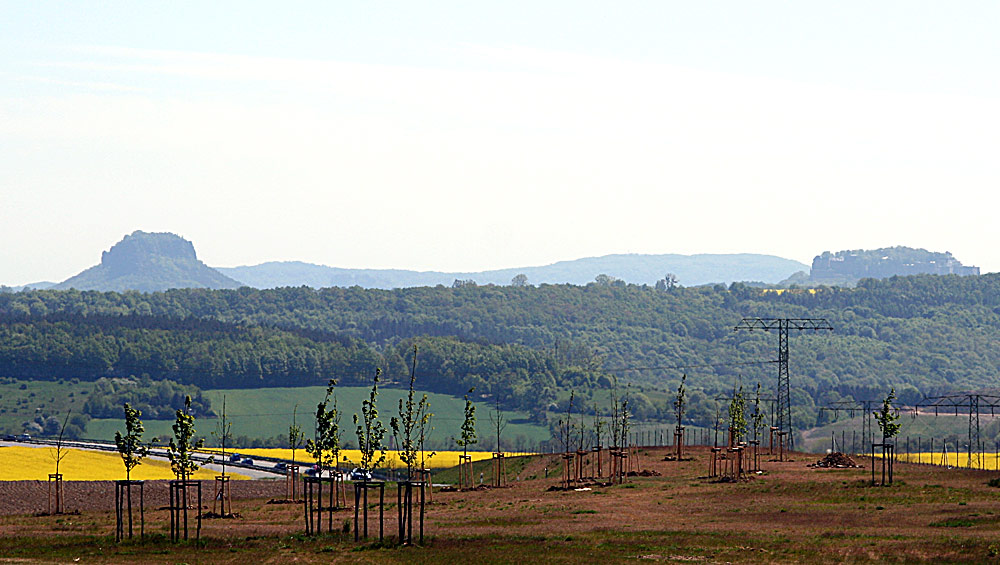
(461,136)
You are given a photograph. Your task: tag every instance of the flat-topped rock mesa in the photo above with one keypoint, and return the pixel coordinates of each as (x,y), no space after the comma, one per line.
(149,262)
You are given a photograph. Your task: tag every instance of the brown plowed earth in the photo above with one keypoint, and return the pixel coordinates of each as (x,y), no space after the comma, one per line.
(32,497)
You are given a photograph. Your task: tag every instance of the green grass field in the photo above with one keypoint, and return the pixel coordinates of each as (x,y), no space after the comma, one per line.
(19,405)
(267,412)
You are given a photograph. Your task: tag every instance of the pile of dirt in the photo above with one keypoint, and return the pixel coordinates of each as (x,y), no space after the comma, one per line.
(645,473)
(835,460)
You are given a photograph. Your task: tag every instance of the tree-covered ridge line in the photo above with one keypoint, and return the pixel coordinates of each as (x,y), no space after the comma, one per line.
(207,353)
(213,354)
(922,333)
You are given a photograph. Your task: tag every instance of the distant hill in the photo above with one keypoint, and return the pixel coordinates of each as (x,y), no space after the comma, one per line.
(690,270)
(149,262)
(41,285)
(847,267)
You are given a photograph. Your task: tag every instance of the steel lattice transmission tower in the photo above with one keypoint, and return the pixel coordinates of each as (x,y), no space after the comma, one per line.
(782,325)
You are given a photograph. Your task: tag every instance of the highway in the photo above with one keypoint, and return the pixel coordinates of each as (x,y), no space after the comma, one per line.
(261,469)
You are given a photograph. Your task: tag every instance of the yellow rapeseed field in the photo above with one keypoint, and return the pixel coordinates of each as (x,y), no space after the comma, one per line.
(19,463)
(351,457)
(988,462)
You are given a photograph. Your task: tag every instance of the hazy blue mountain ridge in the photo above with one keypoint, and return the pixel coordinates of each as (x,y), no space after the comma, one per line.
(691,270)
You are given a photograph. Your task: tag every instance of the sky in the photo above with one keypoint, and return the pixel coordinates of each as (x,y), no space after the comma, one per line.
(465,136)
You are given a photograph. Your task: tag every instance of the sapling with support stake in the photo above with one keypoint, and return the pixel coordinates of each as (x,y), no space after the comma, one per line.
(424,429)
(223,495)
(599,425)
(887,419)
(180,452)
(324,448)
(565,437)
(403,427)
(737,430)
(679,401)
(371,434)
(624,429)
(467,437)
(295,438)
(56,479)
(132,450)
(757,423)
(499,424)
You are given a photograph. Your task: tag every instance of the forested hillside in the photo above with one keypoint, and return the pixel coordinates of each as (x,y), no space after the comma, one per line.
(922,334)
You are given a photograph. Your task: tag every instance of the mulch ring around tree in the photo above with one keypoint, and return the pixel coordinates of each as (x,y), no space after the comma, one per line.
(835,460)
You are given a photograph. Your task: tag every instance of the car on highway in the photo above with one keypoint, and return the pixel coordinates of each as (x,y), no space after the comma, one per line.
(246,461)
(360,475)
(10,437)
(24,437)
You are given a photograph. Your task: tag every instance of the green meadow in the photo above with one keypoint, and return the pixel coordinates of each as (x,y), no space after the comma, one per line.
(267,412)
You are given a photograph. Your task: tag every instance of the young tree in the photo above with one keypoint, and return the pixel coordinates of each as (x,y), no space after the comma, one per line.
(180,451)
(370,430)
(679,402)
(182,445)
(295,435)
(223,433)
(498,419)
(468,431)
(566,426)
(425,428)
(625,425)
(130,446)
(466,438)
(757,418)
(403,425)
(615,415)
(599,425)
(737,416)
(887,417)
(325,445)
(132,450)
(58,455)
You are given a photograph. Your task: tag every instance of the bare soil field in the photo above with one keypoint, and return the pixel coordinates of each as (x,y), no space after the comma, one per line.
(792,513)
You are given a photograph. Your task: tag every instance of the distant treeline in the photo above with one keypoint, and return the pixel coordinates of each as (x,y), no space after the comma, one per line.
(921,334)
(212,354)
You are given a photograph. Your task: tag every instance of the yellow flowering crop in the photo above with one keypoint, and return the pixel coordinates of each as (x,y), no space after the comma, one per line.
(19,463)
(988,462)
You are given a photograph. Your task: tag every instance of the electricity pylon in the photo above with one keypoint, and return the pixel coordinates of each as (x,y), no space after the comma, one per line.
(782,325)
